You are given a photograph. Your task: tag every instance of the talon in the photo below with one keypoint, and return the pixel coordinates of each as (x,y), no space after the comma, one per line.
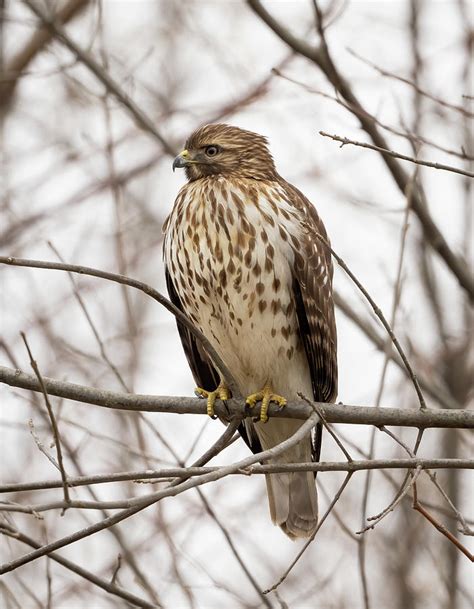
(266,396)
(221,393)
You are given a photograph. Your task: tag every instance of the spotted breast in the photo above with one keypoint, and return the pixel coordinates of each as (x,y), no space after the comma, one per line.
(234,284)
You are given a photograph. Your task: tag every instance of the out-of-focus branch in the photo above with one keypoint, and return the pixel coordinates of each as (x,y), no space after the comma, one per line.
(442,529)
(111,588)
(109,83)
(52,418)
(400,132)
(381,316)
(140,503)
(412,84)
(334,413)
(320,56)
(40,39)
(383,151)
(335,499)
(435,392)
(249,97)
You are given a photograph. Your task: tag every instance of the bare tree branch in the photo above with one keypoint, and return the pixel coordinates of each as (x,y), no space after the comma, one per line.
(111,587)
(109,83)
(412,84)
(320,56)
(38,41)
(442,529)
(140,503)
(344,141)
(52,418)
(143,287)
(334,413)
(187,472)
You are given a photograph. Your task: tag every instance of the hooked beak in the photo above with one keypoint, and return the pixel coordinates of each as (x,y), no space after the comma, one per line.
(182,160)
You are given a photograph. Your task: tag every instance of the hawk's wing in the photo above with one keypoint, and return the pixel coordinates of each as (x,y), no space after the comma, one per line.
(204,373)
(312,290)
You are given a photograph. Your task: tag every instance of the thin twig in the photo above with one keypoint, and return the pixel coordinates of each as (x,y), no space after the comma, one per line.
(464,528)
(48,583)
(413,84)
(117,569)
(41,446)
(310,540)
(6,529)
(374,520)
(331,432)
(382,318)
(142,120)
(52,418)
(397,155)
(442,529)
(143,287)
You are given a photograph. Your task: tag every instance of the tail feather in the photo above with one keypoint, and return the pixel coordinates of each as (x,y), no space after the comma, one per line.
(293,503)
(292,497)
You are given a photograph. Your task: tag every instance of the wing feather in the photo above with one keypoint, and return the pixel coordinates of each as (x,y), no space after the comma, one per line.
(312,292)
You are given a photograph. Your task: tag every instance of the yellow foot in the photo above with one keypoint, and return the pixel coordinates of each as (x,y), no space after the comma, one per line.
(265,396)
(221,393)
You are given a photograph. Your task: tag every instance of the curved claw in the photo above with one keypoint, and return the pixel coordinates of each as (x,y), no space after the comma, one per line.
(266,396)
(221,393)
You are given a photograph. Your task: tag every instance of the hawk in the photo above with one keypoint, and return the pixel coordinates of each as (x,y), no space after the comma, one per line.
(244,262)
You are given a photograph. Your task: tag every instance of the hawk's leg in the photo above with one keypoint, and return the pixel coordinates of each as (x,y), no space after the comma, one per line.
(266,396)
(221,393)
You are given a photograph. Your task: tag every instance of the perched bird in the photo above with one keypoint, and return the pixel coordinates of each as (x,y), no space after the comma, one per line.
(244,262)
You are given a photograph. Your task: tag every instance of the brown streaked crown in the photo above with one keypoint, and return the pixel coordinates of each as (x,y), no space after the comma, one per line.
(239,152)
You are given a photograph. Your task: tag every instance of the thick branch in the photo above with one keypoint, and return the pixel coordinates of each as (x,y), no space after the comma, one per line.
(334,413)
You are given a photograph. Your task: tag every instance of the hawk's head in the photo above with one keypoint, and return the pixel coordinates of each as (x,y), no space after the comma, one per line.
(224,149)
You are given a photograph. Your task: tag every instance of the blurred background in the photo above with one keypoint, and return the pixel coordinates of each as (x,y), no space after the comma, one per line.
(82,180)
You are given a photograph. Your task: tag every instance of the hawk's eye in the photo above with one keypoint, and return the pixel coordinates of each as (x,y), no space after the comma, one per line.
(212,150)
